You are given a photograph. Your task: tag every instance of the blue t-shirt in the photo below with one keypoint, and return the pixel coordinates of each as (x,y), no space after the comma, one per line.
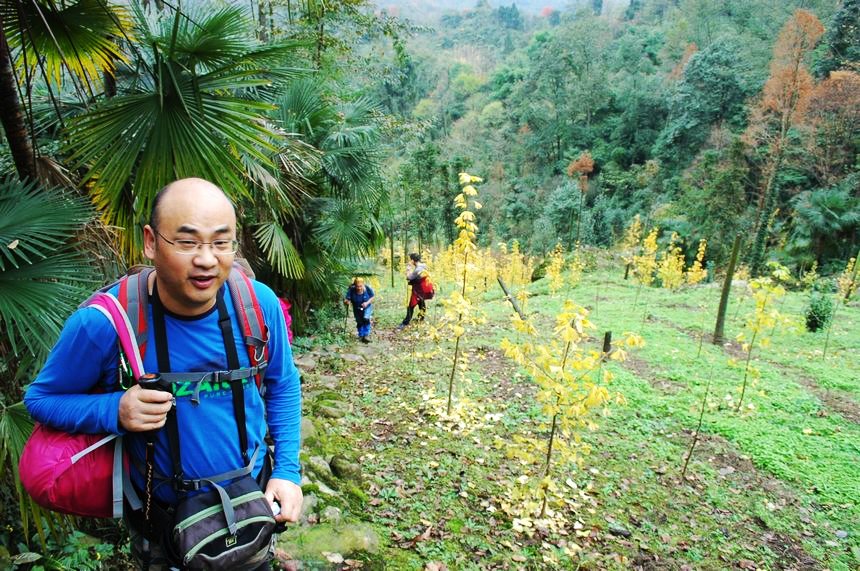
(358,298)
(85,359)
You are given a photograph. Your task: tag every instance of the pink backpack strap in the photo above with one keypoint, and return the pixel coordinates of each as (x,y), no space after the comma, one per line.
(111,308)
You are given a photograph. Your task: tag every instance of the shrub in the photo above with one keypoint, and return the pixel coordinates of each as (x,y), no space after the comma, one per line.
(819,312)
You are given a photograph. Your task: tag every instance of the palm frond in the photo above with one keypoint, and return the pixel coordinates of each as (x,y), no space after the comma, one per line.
(34,223)
(42,279)
(76,35)
(343,228)
(279,250)
(303,110)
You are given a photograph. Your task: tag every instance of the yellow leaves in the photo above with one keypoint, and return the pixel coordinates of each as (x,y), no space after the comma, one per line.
(523,326)
(846,283)
(555,268)
(618,355)
(779,272)
(632,340)
(596,397)
(696,273)
(645,263)
(466,221)
(477,205)
(671,268)
(466,178)
(632,236)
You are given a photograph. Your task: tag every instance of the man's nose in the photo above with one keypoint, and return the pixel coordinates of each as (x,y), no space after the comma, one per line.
(205,256)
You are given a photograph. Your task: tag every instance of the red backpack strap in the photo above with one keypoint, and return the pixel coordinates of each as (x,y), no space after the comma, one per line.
(133,295)
(254,328)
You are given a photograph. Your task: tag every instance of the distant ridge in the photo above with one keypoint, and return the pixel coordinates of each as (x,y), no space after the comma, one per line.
(428,9)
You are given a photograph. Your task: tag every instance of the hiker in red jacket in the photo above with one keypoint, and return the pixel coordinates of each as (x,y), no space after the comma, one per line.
(416,271)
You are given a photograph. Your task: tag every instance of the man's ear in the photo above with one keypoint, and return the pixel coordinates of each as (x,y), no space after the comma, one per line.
(149,239)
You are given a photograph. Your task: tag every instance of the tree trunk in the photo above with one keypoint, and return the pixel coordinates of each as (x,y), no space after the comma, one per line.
(769,198)
(12,115)
(262,22)
(511,298)
(391,246)
(719,332)
(320,40)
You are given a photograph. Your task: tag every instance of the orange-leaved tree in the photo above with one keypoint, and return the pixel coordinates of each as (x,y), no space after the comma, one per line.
(783,103)
(583,166)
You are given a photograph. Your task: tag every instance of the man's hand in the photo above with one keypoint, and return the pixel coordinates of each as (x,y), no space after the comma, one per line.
(289,495)
(346,302)
(144,409)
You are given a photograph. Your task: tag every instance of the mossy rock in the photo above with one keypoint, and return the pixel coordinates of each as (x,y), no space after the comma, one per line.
(332,409)
(327,394)
(309,543)
(309,433)
(318,466)
(344,468)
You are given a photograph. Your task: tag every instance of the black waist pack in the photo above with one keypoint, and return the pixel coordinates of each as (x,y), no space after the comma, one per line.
(228,527)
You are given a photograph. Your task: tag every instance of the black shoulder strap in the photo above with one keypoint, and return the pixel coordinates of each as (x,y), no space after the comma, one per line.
(236,387)
(163,355)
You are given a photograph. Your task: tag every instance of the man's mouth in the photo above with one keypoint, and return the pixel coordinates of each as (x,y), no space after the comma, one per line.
(202,282)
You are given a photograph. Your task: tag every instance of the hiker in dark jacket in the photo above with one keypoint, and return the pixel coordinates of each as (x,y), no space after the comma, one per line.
(360,296)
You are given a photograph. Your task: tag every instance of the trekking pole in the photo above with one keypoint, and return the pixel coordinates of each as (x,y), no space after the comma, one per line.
(345,316)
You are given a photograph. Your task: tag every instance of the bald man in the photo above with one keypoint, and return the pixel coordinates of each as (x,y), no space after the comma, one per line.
(191,241)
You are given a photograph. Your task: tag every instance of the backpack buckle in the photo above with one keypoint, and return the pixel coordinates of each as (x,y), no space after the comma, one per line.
(187,485)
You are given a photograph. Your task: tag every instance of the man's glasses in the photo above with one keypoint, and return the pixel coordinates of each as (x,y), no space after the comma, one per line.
(190,247)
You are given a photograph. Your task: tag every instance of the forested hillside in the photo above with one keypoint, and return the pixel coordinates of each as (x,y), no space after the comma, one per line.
(629,232)
(705,118)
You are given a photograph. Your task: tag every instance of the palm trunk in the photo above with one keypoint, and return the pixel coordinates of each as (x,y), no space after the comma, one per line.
(12,115)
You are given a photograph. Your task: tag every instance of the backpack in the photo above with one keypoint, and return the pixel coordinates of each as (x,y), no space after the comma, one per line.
(426,288)
(81,474)
(229,524)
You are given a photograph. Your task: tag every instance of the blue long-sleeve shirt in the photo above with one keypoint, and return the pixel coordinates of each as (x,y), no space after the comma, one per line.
(85,360)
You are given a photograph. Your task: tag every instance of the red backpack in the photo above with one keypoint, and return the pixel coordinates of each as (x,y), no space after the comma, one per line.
(427,290)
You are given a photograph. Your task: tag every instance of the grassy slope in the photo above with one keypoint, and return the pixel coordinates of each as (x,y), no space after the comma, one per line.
(771,487)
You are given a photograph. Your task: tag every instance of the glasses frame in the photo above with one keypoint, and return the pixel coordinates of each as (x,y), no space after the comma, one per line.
(200,245)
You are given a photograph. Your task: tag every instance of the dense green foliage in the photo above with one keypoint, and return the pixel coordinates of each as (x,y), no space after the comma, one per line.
(672,101)
(334,125)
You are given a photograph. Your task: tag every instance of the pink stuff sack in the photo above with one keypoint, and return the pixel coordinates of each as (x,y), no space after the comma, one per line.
(79,474)
(285,307)
(70,473)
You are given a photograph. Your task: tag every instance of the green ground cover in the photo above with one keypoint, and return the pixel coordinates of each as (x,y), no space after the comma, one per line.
(773,487)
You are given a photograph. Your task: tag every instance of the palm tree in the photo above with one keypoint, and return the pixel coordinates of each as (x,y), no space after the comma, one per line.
(41,39)
(42,280)
(190,107)
(333,219)
(826,222)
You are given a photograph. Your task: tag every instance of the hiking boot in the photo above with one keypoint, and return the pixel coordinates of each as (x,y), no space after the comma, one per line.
(364,339)
(400,327)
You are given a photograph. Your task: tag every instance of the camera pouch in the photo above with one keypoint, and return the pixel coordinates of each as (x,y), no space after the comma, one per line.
(228,527)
